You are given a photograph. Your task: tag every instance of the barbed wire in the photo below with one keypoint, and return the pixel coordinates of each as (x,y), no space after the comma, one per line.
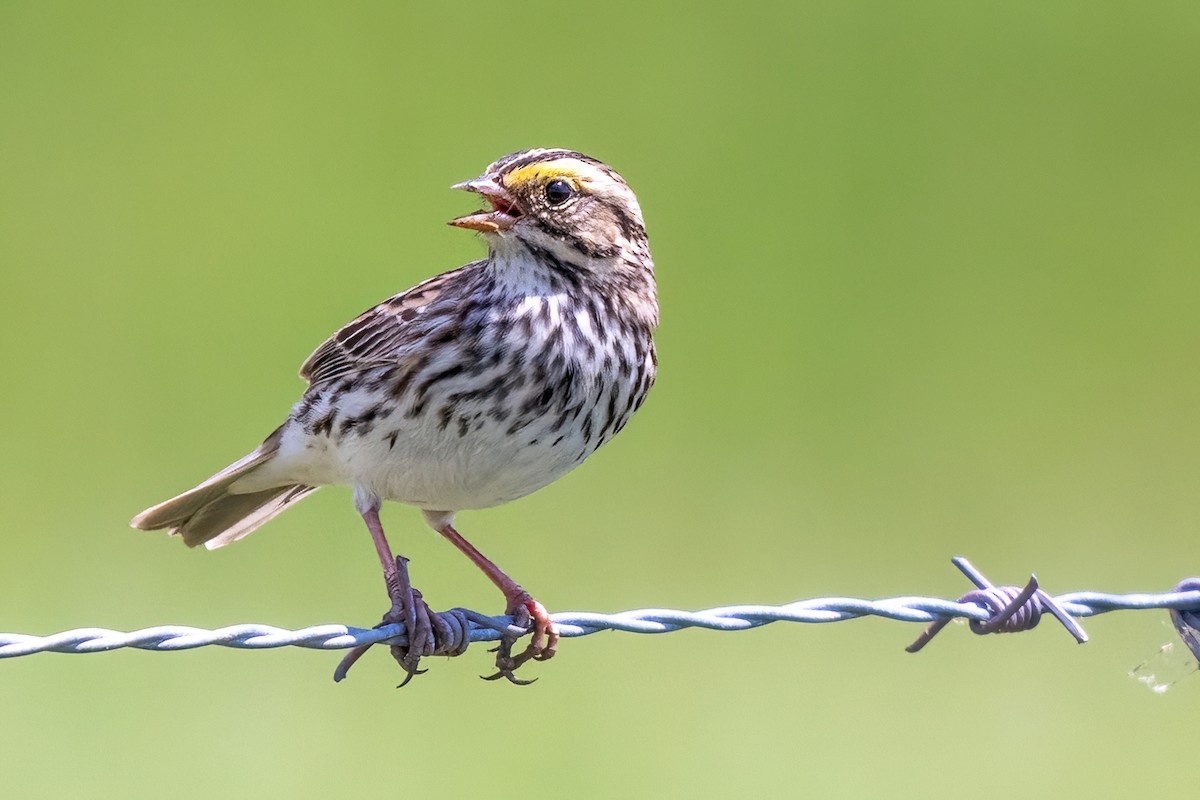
(988,609)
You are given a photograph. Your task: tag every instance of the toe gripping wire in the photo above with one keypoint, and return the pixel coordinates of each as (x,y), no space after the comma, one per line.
(428,632)
(1012,608)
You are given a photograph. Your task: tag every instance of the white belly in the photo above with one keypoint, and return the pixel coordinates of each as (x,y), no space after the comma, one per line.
(474,461)
(437,470)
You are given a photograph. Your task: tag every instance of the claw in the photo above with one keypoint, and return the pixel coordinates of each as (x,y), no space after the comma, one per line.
(411,613)
(509,676)
(343,667)
(409,676)
(530,615)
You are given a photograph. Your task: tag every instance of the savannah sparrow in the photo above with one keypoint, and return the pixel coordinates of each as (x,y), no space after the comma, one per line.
(471,389)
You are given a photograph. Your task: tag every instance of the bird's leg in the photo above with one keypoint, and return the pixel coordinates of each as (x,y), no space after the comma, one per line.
(526,612)
(408,608)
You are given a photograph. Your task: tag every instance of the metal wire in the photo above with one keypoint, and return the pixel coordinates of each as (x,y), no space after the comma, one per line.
(648,620)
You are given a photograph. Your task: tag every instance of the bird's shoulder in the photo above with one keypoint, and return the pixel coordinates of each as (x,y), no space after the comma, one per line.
(386,333)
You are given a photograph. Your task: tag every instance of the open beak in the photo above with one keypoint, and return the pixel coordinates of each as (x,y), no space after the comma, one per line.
(502,215)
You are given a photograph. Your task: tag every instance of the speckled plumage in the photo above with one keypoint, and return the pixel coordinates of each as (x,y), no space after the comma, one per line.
(478,386)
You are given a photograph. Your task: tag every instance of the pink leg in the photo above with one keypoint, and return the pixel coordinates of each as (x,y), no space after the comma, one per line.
(382,548)
(521,604)
(408,608)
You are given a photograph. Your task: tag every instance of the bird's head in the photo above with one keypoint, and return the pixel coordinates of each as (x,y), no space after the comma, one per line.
(557,201)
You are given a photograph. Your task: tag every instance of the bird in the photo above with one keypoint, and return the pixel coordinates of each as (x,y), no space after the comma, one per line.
(469,390)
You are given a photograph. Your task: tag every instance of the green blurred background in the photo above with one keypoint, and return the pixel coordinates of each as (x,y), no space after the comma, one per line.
(929,286)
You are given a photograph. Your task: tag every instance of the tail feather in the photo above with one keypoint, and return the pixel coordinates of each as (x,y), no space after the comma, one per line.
(233,516)
(212,514)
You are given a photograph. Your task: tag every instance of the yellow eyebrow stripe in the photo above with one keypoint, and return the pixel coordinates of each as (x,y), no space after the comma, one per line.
(565,168)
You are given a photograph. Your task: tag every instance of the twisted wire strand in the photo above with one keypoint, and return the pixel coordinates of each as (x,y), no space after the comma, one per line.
(251,636)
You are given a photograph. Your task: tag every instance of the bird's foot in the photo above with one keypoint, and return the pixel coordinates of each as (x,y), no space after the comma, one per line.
(426,631)
(413,614)
(531,616)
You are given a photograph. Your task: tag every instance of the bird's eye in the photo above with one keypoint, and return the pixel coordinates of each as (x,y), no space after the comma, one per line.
(558,192)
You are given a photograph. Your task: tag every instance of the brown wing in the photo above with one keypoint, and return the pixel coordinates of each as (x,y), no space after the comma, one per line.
(381,335)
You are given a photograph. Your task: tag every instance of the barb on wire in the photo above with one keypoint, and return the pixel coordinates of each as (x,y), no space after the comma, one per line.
(1013,609)
(989,609)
